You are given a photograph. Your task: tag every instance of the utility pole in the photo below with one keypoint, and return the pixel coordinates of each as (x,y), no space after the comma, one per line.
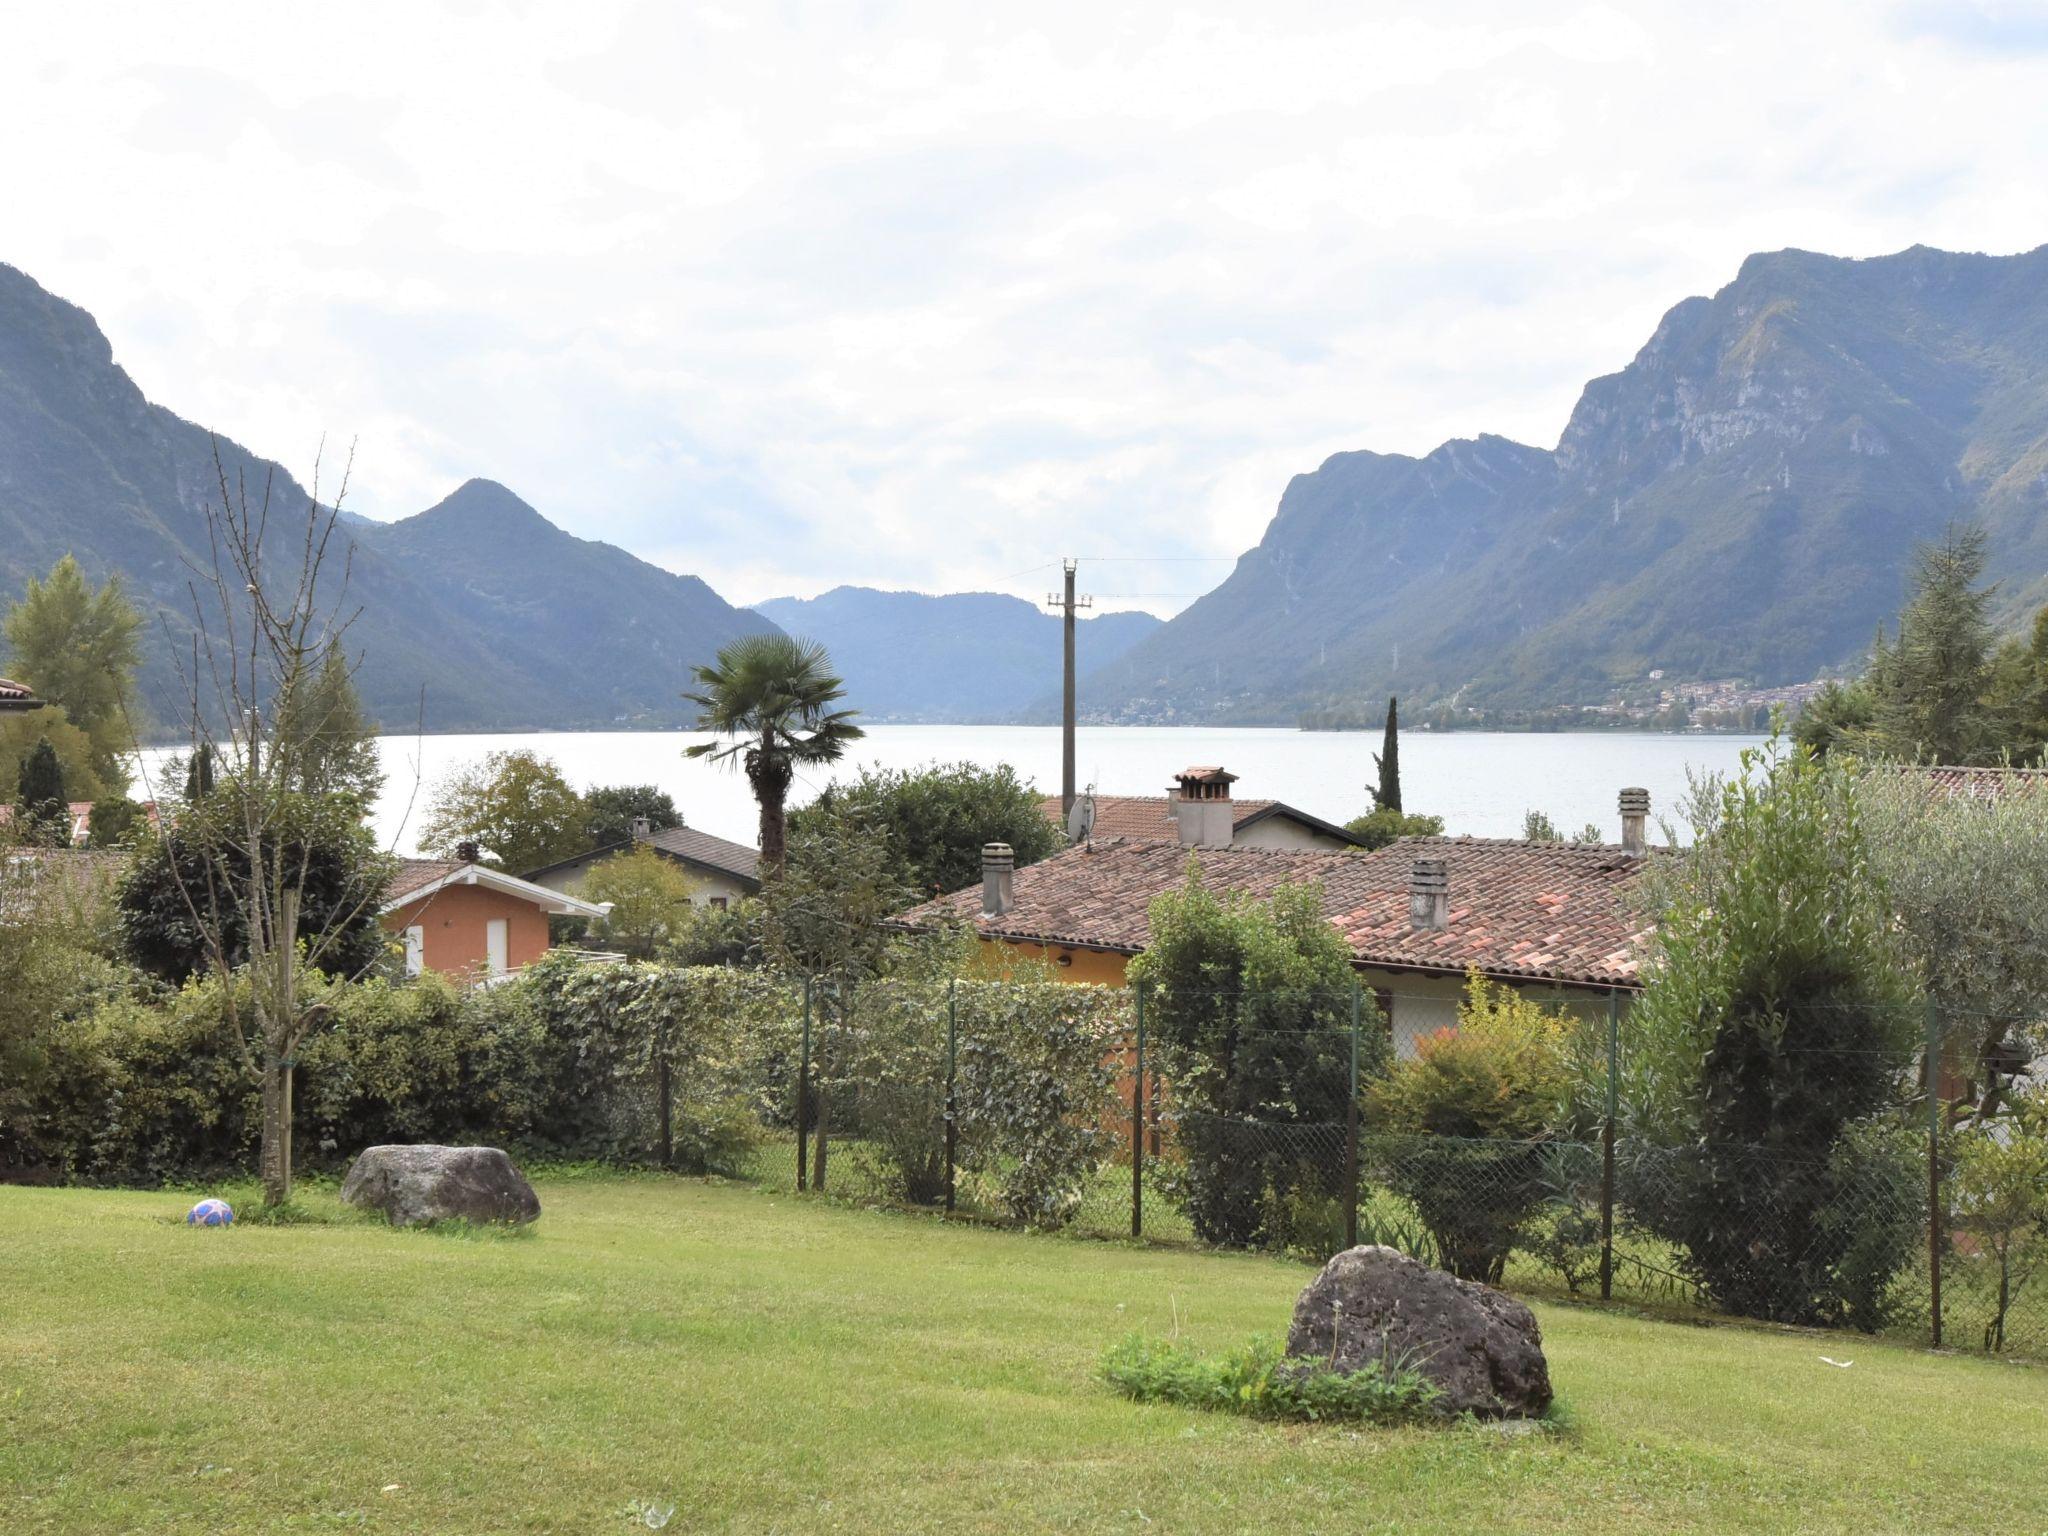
(1067,603)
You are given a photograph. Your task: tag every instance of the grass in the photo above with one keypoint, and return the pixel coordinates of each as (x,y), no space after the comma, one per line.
(767,1365)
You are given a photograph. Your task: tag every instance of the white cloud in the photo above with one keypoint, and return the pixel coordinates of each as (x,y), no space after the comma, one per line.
(921,294)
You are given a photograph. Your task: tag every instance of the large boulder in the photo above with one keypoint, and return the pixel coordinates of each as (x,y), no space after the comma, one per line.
(414,1185)
(1483,1350)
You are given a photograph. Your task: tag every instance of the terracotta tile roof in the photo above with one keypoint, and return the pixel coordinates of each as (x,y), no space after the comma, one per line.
(1146,815)
(1550,911)
(414,873)
(1980,783)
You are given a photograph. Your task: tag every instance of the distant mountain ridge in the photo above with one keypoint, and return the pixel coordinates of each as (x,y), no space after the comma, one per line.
(477,614)
(1740,501)
(969,657)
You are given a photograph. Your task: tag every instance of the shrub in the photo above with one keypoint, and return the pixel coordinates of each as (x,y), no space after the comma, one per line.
(2000,1194)
(1034,1087)
(1470,1113)
(1778,1016)
(1250,1005)
(1261,1382)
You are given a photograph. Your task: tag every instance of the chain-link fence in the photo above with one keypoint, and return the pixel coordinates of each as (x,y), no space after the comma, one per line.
(1255,1123)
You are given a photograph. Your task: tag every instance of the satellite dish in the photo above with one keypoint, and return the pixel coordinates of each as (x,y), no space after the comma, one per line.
(1081,819)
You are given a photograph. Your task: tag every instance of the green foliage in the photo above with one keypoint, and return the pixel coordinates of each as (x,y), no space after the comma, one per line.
(1473,1108)
(2016,694)
(1260,1381)
(1386,796)
(79,647)
(1967,877)
(1929,687)
(729,936)
(1539,828)
(40,798)
(115,822)
(1378,828)
(649,897)
(1250,1007)
(183,902)
(821,914)
(611,809)
(327,742)
(21,734)
(1999,1196)
(935,820)
(773,701)
(515,806)
(1841,716)
(1039,1064)
(1778,1014)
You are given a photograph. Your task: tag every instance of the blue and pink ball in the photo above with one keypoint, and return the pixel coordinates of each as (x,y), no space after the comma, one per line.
(210,1213)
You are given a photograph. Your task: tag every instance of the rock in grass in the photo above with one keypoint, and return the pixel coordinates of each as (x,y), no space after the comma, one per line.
(1481,1350)
(415,1185)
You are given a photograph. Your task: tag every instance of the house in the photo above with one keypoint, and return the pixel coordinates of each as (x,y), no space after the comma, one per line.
(15,697)
(1199,811)
(462,918)
(1551,919)
(720,872)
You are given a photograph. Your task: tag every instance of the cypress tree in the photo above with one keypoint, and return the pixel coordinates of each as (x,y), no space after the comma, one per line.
(40,793)
(199,772)
(1388,760)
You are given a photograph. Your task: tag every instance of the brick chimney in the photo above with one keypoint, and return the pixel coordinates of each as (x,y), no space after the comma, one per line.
(467,852)
(643,829)
(998,872)
(1635,817)
(1429,895)
(1202,808)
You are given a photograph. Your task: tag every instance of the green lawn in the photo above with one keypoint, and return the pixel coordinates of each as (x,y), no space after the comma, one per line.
(766,1366)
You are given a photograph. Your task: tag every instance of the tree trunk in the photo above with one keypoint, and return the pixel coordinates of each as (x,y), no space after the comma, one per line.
(769,774)
(274,1160)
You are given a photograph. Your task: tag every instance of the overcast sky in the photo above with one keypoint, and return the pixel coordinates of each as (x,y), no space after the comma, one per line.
(925,296)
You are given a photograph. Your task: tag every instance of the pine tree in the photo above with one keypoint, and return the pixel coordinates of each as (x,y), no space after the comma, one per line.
(1388,760)
(1930,685)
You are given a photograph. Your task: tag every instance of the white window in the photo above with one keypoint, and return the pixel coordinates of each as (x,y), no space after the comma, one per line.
(415,950)
(497,945)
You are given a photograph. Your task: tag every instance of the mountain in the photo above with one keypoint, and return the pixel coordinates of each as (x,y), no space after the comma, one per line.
(1740,501)
(966,656)
(475,615)
(604,635)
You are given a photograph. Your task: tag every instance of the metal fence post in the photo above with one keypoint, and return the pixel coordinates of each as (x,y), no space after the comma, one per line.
(1607,1146)
(1138,1124)
(952,1067)
(1351,1127)
(803,1096)
(1934,1215)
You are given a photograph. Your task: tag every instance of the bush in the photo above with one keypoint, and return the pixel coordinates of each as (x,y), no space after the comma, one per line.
(1250,1007)
(1469,1115)
(1259,1381)
(1778,1016)
(2000,1193)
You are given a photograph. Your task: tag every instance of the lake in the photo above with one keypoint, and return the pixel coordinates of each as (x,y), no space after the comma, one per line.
(1479,782)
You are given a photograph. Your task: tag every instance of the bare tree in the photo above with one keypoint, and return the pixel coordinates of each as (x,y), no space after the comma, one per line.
(280,917)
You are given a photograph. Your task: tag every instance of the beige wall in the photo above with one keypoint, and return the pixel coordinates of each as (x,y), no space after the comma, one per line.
(1283,832)
(706,886)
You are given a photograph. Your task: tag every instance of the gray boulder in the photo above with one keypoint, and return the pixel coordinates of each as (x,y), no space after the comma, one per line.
(414,1185)
(1483,1350)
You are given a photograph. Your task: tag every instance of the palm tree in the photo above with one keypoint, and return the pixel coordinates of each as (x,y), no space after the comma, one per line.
(772,698)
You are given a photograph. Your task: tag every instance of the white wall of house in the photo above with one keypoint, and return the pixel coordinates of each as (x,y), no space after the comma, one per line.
(1284,832)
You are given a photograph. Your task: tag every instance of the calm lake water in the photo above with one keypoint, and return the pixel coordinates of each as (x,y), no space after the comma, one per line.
(1479,783)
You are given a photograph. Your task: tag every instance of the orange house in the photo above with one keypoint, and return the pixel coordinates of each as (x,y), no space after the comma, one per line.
(463,919)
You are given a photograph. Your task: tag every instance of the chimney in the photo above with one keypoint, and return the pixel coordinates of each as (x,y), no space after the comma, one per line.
(998,870)
(1429,895)
(642,829)
(467,851)
(1635,816)
(1202,808)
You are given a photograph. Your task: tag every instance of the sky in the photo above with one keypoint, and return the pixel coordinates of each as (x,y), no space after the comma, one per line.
(930,296)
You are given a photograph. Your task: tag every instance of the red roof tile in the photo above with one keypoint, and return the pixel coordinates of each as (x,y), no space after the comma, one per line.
(1144,815)
(1551,911)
